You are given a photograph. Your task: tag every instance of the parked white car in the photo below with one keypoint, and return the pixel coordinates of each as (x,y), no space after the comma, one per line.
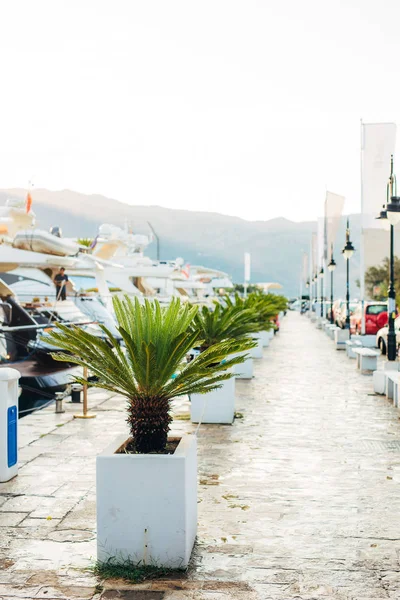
(381,336)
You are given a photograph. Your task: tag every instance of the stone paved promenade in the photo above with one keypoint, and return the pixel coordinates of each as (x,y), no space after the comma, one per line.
(298,500)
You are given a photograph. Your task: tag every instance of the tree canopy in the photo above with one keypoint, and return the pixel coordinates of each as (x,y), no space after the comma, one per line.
(377,280)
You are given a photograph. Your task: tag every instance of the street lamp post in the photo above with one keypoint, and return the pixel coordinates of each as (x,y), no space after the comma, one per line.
(316,288)
(347,252)
(392,214)
(331,268)
(321,275)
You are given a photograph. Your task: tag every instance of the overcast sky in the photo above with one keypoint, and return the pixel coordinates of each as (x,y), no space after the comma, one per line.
(248,108)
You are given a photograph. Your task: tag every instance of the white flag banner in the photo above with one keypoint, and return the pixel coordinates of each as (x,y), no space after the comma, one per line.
(333,212)
(305,268)
(314,253)
(378,145)
(321,241)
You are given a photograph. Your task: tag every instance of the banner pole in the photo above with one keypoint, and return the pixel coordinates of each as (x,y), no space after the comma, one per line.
(362,259)
(301,292)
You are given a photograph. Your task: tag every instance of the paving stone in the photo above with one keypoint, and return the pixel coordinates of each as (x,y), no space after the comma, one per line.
(17,591)
(133,595)
(40,523)
(82,517)
(66,592)
(27,503)
(9,519)
(55,508)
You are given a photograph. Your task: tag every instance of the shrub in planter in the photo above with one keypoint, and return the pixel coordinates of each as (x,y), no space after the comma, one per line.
(229,324)
(265,306)
(254,329)
(146,491)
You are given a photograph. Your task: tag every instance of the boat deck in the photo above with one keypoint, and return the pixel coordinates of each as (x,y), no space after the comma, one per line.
(31,368)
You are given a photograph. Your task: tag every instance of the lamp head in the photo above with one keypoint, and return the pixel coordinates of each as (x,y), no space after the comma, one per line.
(348,251)
(332,265)
(382,214)
(393,210)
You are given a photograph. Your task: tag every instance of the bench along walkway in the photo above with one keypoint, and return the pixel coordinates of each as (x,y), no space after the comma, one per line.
(367,359)
(298,499)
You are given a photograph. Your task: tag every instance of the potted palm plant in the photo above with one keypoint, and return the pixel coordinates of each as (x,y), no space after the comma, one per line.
(147,479)
(254,330)
(231,325)
(275,304)
(265,311)
(266,308)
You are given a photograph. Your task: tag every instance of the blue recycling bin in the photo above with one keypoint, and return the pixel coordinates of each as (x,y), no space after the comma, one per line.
(8,423)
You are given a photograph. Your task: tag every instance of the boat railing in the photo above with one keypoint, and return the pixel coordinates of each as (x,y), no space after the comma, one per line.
(45,325)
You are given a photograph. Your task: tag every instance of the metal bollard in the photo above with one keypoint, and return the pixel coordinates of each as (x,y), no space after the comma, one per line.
(59,402)
(76,390)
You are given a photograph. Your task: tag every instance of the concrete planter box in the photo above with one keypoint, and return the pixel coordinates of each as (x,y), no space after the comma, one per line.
(257,352)
(379,381)
(215,407)
(341,336)
(331,331)
(265,338)
(244,370)
(368,341)
(379,376)
(147,505)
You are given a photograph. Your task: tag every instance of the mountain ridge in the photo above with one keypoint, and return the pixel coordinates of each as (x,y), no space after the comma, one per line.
(56,195)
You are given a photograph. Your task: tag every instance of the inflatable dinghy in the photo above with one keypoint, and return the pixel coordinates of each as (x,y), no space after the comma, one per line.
(38,240)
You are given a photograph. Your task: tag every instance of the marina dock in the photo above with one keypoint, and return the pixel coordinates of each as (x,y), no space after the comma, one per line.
(298,499)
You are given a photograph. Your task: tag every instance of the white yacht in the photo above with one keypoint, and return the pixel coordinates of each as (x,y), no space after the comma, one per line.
(116,263)
(140,275)
(30,257)
(205,284)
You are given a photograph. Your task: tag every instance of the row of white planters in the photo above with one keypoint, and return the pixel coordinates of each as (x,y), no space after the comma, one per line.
(147,503)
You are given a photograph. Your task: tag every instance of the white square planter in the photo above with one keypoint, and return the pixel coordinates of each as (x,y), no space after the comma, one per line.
(257,352)
(264,336)
(341,337)
(244,370)
(379,381)
(147,505)
(215,407)
(368,341)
